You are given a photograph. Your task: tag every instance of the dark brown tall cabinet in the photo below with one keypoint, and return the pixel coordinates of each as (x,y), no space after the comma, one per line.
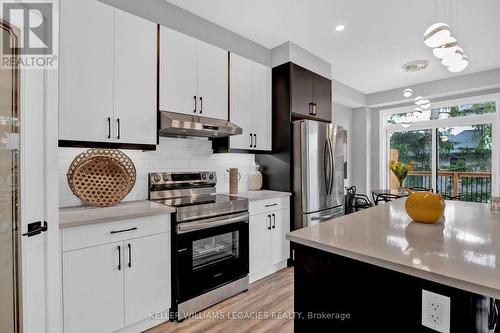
(297,94)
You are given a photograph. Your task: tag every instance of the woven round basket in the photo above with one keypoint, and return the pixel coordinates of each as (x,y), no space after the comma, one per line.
(101,177)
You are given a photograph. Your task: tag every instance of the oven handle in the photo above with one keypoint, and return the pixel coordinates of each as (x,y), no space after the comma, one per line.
(185,227)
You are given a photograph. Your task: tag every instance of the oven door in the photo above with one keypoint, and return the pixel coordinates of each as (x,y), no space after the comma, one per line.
(210,253)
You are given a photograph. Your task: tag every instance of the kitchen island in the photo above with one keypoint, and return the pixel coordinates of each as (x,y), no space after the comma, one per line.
(367,270)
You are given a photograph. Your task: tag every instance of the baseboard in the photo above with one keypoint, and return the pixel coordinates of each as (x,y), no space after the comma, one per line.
(144,324)
(253,277)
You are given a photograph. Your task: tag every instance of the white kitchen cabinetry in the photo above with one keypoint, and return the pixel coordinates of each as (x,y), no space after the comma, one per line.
(147,277)
(93,289)
(193,76)
(116,274)
(107,90)
(85,70)
(269,248)
(250,101)
(135,76)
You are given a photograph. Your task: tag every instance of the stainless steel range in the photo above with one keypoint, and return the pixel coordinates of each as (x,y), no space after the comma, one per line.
(209,240)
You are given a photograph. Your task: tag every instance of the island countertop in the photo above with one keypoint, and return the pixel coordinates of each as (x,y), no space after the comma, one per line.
(460,252)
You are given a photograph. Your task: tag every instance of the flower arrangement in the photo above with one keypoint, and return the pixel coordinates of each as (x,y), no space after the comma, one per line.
(400,170)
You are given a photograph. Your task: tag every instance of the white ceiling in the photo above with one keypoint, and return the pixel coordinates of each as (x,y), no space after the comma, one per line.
(380,36)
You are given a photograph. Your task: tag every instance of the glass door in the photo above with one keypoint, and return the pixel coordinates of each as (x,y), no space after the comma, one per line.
(416,146)
(9,197)
(464,162)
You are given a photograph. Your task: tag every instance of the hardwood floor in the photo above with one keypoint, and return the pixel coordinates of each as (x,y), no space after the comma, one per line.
(271,297)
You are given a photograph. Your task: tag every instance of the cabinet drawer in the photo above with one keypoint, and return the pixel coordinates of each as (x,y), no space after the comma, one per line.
(101,233)
(268,205)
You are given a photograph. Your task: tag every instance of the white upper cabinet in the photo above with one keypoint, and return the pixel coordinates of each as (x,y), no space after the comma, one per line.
(212,81)
(107,89)
(178,70)
(193,76)
(241,101)
(251,104)
(86,70)
(135,62)
(261,106)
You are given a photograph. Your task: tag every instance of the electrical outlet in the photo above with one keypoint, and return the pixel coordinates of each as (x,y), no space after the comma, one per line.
(436,311)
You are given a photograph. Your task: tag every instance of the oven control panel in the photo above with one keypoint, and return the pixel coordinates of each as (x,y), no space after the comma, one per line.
(204,177)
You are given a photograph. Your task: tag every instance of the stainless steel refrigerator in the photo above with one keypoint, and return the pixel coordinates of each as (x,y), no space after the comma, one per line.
(318,172)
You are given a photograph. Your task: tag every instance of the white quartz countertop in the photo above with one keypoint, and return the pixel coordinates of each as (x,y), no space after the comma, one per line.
(460,252)
(81,215)
(260,195)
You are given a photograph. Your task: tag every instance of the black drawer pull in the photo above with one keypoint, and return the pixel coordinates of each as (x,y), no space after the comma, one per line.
(124,230)
(271,205)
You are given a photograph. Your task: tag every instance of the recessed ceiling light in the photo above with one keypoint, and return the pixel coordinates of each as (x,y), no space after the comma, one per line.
(339,27)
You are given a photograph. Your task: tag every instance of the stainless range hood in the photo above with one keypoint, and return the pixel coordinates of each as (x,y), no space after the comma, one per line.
(182,125)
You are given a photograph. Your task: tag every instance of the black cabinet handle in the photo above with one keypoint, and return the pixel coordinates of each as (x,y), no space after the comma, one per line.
(271,205)
(274,221)
(129,255)
(311,108)
(195,104)
(201,105)
(255,141)
(118,122)
(109,127)
(123,230)
(251,140)
(119,258)
(269,226)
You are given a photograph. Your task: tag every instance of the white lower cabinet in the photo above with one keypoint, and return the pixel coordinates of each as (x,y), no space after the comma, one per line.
(269,248)
(93,289)
(147,278)
(108,287)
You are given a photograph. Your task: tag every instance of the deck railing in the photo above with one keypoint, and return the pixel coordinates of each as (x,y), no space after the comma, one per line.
(472,186)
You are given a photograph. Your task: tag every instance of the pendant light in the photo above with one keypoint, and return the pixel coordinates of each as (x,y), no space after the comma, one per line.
(445,47)
(437,34)
(408,93)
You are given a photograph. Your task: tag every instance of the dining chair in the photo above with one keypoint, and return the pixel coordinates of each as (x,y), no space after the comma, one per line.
(384,197)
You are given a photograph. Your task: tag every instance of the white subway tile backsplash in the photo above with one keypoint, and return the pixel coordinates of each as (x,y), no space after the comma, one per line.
(172,154)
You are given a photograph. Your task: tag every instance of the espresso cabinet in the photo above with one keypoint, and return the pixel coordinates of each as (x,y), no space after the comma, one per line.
(311,94)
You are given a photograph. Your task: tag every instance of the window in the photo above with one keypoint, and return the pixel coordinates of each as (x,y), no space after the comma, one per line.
(454,147)
(465,110)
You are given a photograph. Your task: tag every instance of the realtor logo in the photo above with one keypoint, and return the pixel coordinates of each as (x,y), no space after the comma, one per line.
(35,20)
(31,42)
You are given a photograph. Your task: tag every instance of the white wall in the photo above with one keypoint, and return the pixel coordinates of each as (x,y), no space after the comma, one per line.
(171,155)
(360,142)
(342,115)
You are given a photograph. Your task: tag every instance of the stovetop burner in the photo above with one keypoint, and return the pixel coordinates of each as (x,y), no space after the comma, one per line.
(193,195)
(199,200)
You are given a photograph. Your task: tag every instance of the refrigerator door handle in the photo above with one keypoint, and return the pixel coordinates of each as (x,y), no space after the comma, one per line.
(332,167)
(326,159)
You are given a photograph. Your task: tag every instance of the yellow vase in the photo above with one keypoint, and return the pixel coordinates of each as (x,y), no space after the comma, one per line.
(425,207)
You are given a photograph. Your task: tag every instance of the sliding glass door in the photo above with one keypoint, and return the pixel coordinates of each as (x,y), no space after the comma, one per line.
(464,162)
(454,149)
